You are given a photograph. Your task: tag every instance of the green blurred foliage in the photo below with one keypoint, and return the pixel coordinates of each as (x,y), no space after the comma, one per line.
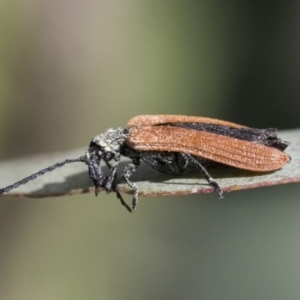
(71,69)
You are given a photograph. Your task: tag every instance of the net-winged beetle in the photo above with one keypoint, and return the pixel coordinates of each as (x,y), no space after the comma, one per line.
(169,143)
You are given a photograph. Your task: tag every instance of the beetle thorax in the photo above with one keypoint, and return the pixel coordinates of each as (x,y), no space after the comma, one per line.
(108,144)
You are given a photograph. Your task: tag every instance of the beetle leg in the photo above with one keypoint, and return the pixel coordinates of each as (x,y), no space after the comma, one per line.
(127,172)
(111,178)
(95,173)
(205,173)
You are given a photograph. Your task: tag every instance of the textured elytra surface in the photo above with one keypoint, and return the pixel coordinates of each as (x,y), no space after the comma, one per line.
(229,151)
(148,120)
(73,178)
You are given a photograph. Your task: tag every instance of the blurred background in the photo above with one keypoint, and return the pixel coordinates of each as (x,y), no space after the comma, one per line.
(72,69)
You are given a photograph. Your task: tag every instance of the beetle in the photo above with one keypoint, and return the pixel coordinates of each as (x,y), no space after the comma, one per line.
(170,143)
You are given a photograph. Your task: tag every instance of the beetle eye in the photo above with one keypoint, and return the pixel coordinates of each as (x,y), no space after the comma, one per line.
(100,153)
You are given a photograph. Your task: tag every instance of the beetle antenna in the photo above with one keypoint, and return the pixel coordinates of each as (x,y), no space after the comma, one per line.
(42,172)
